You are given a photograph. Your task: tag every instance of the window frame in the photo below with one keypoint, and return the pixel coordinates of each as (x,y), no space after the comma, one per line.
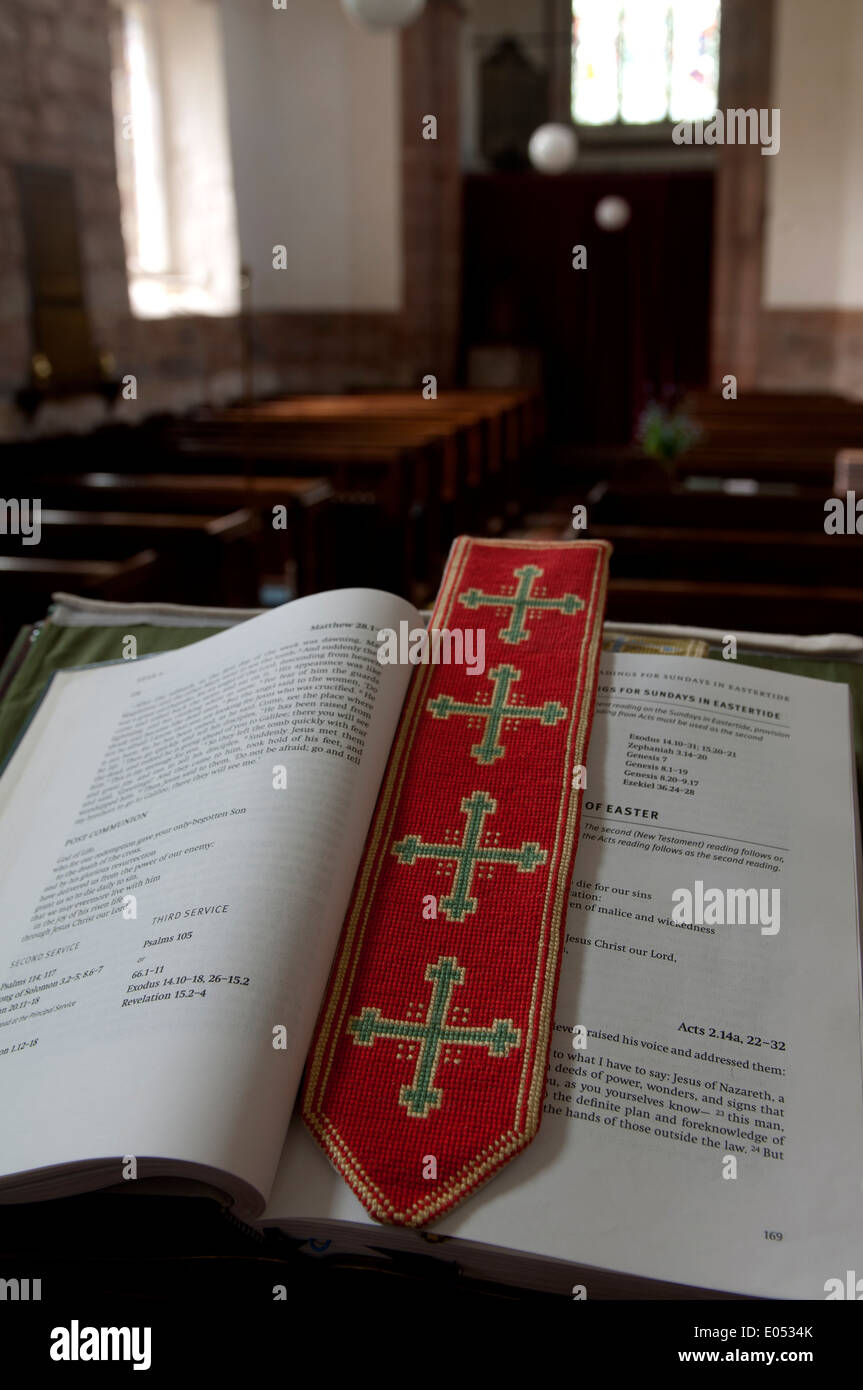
(170,290)
(620,132)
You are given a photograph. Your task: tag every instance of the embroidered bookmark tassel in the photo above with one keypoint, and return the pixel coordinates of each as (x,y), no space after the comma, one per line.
(427,1070)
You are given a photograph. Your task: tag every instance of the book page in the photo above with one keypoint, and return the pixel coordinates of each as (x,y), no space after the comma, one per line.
(710,1130)
(178,842)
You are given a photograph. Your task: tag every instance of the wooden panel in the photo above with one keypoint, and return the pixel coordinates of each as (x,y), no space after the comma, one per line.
(207,559)
(61,329)
(632,324)
(306,543)
(736,607)
(751,556)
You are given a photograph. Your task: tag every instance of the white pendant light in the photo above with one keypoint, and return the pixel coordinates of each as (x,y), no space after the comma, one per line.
(553,148)
(384,14)
(612,213)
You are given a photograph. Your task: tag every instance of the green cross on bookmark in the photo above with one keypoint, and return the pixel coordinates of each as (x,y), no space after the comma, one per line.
(503,678)
(467,855)
(521,602)
(422,1096)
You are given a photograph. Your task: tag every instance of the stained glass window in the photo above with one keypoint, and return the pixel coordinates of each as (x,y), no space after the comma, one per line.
(644,60)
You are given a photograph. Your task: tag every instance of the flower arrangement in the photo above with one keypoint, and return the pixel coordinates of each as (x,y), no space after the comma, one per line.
(665,432)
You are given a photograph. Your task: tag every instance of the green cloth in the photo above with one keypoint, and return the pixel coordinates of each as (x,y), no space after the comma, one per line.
(53,648)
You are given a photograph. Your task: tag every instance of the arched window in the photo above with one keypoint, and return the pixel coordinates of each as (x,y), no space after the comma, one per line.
(644,61)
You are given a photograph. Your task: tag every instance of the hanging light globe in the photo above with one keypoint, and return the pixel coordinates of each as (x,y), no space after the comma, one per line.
(384,14)
(612,213)
(552,149)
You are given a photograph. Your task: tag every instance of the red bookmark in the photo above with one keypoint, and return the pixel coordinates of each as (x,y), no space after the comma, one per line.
(427,1070)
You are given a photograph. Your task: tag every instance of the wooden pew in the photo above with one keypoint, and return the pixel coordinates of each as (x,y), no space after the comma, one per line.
(255,440)
(401,417)
(736,606)
(207,559)
(393,474)
(472,443)
(496,429)
(380,534)
(773,407)
(396,471)
(776,432)
(809,466)
(798,509)
(751,561)
(699,554)
(422,470)
(304,547)
(519,412)
(625,467)
(758,561)
(28,581)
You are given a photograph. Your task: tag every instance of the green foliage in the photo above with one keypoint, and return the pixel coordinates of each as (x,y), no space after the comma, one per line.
(665,433)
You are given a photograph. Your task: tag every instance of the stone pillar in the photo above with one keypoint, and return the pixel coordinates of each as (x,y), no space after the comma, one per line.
(741,177)
(431,190)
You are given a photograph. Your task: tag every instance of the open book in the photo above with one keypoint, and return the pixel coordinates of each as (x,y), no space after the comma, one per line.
(178,842)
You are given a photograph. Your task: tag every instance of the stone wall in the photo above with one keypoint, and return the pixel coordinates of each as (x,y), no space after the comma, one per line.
(55,108)
(775,347)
